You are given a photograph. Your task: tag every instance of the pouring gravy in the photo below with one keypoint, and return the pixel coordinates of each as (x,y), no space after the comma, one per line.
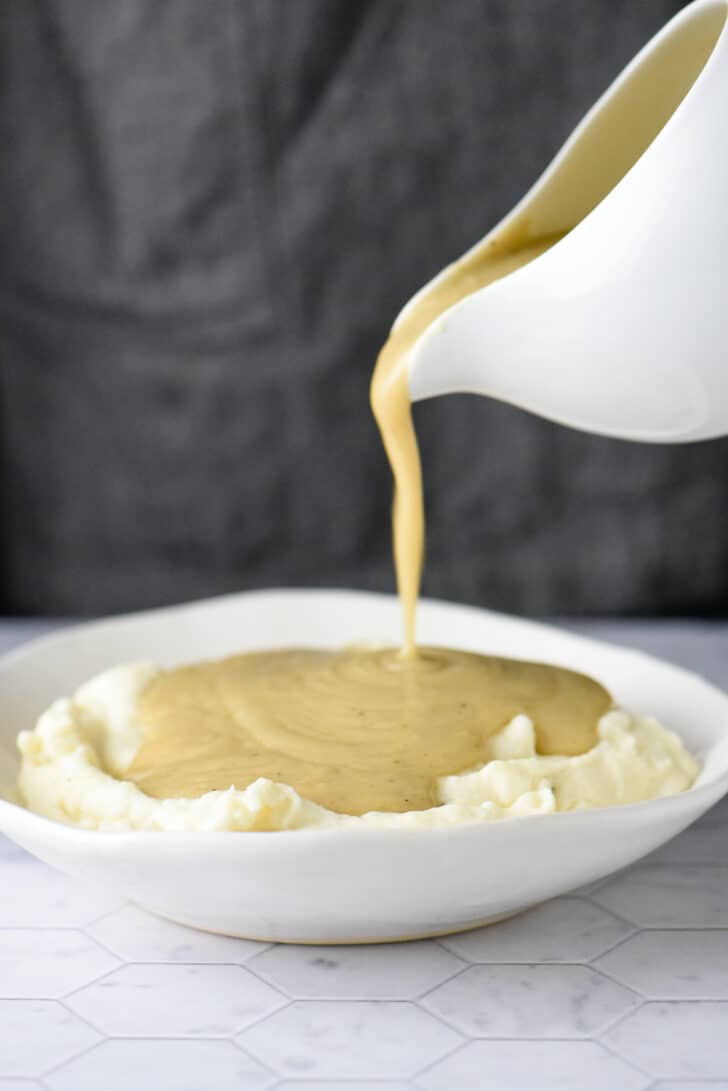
(366,729)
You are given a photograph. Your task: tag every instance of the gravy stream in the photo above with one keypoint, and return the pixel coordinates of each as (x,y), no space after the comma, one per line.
(361,729)
(393,409)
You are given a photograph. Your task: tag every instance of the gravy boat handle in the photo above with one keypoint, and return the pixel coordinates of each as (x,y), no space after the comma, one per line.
(621,327)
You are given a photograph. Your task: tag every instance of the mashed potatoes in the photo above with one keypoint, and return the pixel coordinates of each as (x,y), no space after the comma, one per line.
(73,760)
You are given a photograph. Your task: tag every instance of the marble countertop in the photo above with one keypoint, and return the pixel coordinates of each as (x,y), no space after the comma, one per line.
(621,986)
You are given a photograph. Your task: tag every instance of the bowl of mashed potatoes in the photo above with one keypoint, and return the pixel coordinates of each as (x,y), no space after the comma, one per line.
(276,860)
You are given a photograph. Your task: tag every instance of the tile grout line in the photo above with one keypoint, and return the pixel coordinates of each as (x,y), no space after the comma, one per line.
(246,1053)
(686,1000)
(446,1022)
(82,1018)
(555,963)
(124,962)
(96,981)
(615,981)
(257,975)
(630,1064)
(597,1035)
(652,997)
(635,930)
(105,947)
(143,1038)
(256,1022)
(445,981)
(67,1060)
(228,1035)
(445,1056)
(313,1000)
(618,917)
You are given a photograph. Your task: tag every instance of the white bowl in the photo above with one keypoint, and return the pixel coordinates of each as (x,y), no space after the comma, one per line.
(317,886)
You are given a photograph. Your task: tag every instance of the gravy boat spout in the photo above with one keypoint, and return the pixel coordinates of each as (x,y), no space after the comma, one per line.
(621,326)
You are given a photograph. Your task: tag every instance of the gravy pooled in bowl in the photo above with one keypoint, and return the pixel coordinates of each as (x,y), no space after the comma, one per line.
(354,731)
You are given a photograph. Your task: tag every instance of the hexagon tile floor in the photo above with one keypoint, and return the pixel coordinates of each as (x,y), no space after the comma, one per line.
(622,986)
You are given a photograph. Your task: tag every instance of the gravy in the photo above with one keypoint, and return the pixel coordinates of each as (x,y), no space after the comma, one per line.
(355,730)
(361,729)
(393,409)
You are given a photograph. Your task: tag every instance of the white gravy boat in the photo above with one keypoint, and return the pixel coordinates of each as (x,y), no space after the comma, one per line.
(621,328)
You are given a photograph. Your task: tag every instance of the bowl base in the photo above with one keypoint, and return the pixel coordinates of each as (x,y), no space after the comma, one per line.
(347,941)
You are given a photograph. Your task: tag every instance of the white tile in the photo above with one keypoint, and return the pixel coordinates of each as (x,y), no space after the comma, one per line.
(675,1039)
(676,896)
(35,1035)
(37,896)
(673,964)
(340,1085)
(19,1085)
(36,963)
(523,1066)
(701,843)
(386,972)
(674,1085)
(168,1000)
(563,930)
(530,1001)
(164,1065)
(140,937)
(322,1039)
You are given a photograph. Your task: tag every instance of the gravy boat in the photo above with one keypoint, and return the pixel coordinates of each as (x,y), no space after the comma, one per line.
(620,328)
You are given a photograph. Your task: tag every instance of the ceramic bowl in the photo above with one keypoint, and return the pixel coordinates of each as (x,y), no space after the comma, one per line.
(329,886)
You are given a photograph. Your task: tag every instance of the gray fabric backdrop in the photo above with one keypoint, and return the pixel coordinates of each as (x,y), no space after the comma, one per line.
(210,212)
